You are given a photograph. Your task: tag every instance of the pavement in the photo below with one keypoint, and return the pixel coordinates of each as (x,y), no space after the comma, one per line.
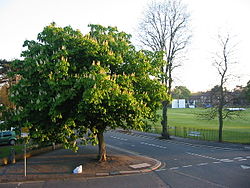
(59,164)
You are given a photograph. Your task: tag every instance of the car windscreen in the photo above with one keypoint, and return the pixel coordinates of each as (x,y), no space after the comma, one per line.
(7,134)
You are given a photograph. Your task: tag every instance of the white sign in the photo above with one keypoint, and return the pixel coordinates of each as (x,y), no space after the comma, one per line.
(179,103)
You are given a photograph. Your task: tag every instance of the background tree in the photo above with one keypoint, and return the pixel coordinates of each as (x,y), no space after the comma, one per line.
(215,93)
(222,61)
(165,27)
(72,84)
(4,69)
(181,92)
(237,97)
(6,82)
(247,91)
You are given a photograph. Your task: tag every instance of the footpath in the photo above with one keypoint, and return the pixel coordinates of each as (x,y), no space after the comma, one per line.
(59,164)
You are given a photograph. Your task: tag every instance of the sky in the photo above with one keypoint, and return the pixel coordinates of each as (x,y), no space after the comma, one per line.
(22,20)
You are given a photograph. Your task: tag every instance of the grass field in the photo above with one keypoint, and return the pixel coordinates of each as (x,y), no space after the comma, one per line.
(5,150)
(235,130)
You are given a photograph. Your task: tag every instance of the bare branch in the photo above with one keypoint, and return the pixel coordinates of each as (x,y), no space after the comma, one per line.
(165,27)
(222,60)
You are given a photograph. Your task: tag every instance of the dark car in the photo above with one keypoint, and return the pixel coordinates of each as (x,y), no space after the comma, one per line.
(8,137)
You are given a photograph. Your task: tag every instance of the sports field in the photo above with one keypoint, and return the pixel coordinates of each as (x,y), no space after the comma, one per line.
(234,130)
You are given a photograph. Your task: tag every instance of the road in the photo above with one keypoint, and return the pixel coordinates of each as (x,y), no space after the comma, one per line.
(185,164)
(191,164)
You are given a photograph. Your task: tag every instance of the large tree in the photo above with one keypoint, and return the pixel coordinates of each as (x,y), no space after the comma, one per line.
(73,83)
(165,27)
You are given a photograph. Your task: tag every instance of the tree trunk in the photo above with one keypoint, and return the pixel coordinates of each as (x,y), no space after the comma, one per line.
(102,147)
(168,83)
(164,122)
(221,105)
(220,111)
(220,123)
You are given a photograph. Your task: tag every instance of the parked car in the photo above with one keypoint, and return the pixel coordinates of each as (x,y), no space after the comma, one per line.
(8,137)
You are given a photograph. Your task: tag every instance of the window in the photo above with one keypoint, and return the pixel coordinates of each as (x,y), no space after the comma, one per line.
(7,134)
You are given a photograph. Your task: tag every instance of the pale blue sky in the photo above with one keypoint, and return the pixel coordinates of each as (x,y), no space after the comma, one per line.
(24,19)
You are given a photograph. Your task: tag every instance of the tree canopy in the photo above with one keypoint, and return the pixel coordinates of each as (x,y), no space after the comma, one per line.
(247,91)
(181,92)
(72,83)
(6,81)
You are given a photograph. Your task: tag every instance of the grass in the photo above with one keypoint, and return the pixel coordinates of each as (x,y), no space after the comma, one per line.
(5,150)
(234,130)
(187,118)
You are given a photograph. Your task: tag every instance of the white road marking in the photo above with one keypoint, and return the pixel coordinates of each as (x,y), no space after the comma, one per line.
(204,156)
(226,160)
(162,147)
(245,167)
(174,168)
(221,160)
(153,145)
(238,158)
(187,166)
(163,169)
(202,164)
(175,142)
(217,162)
(118,138)
(242,159)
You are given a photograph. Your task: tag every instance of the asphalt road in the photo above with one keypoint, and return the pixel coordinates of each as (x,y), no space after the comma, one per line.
(186,163)
(191,164)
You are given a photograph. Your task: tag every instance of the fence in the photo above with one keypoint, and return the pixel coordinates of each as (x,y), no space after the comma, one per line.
(208,134)
(199,134)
